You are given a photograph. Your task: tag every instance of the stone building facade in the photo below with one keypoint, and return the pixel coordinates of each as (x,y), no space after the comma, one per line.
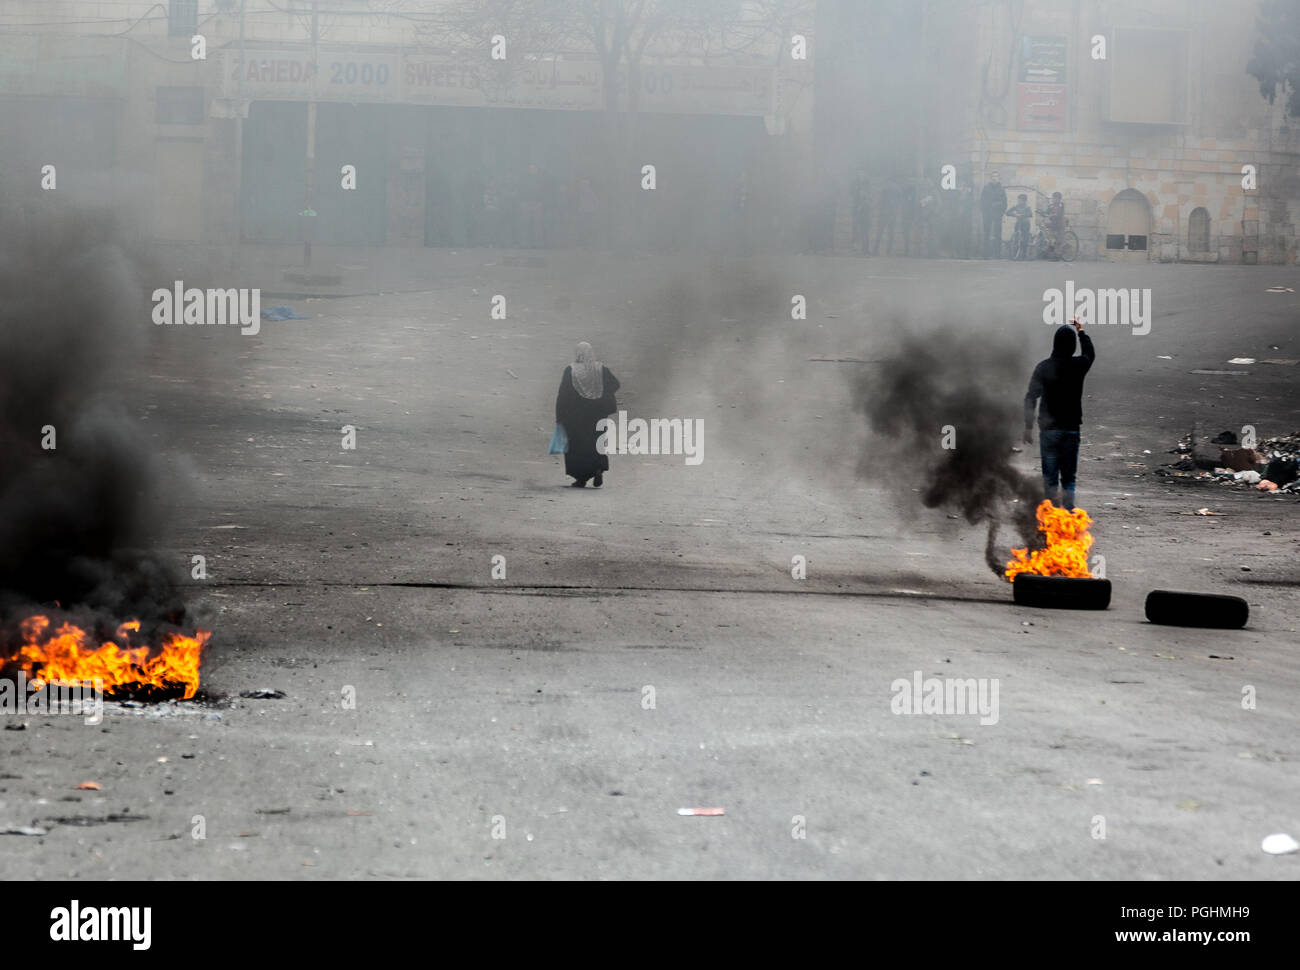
(217,149)
(1165,149)
(1141,115)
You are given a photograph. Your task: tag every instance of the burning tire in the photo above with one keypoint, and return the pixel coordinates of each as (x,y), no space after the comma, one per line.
(1207,610)
(1061,592)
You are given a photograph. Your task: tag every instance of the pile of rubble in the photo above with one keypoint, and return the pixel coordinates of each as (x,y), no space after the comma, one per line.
(1270,466)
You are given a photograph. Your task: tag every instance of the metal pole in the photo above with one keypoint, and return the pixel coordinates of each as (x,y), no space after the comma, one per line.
(922,146)
(240,109)
(311,134)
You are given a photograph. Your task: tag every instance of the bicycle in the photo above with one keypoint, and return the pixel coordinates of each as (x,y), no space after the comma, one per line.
(1018,244)
(1044,244)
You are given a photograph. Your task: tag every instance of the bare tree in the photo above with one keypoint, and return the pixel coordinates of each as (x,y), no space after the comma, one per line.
(622,36)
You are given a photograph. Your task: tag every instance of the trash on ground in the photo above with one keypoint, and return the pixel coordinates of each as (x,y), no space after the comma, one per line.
(1238,459)
(1242,360)
(701,811)
(89,786)
(262,693)
(36,830)
(1283,471)
(1275,460)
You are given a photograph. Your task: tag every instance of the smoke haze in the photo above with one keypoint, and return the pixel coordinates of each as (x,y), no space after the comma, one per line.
(945,380)
(76,520)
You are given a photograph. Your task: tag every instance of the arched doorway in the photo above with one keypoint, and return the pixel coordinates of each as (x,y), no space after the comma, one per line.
(1128,226)
(1198,231)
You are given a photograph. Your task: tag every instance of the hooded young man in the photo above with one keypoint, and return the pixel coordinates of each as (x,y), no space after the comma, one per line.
(1058,381)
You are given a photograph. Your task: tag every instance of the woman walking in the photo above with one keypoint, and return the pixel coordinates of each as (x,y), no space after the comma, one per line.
(586,395)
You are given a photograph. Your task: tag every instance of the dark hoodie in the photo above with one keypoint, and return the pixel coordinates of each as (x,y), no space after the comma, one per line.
(994,199)
(1059,382)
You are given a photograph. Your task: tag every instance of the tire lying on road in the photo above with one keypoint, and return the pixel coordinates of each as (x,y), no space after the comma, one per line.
(1209,610)
(1061,592)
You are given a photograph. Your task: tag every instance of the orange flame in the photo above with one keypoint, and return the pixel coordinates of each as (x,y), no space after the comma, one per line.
(1066,552)
(69,655)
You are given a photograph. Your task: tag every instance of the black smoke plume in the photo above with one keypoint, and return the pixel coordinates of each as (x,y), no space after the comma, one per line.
(76,520)
(973,385)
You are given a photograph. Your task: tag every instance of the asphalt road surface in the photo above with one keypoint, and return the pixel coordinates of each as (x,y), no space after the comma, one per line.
(648,649)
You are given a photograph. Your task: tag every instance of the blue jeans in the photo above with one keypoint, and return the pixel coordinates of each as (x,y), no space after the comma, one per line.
(1060,452)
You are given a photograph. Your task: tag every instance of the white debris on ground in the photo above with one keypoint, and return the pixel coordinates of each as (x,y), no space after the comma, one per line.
(1280,844)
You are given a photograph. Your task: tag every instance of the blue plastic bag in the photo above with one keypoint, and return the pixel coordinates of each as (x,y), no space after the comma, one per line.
(282,313)
(559,441)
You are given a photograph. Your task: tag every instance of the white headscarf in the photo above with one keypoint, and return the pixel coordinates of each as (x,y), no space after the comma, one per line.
(588,373)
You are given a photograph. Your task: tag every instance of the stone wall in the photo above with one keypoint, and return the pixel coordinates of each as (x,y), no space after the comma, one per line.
(1176,167)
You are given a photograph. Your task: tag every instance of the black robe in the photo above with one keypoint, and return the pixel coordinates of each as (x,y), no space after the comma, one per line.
(579,416)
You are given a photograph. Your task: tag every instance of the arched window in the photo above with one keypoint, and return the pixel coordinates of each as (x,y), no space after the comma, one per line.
(1198,231)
